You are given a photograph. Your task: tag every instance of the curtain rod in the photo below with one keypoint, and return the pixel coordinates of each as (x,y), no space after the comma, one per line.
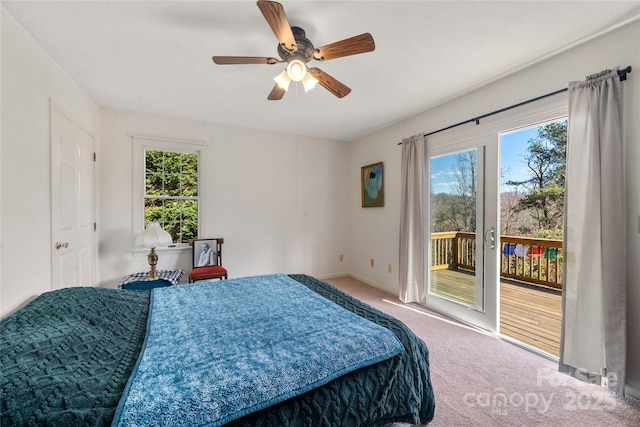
(622,73)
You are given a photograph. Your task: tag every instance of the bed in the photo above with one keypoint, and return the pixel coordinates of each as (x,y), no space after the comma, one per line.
(90,356)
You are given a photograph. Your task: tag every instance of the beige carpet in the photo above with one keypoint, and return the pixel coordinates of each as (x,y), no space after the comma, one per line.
(481,380)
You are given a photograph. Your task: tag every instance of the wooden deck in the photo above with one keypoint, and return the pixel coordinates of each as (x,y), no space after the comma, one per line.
(528,313)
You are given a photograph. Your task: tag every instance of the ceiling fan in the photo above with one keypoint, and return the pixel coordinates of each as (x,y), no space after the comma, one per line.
(296,50)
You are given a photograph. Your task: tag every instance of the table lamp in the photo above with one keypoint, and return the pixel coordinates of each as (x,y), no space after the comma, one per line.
(152,237)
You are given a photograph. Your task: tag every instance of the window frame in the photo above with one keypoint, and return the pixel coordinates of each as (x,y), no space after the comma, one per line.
(142,143)
(532,114)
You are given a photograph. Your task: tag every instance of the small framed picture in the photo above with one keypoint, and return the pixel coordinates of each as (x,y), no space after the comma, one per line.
(204,252)
(372,185)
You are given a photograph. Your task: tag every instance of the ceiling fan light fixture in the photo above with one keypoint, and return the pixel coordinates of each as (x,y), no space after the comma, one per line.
(283,80)
(296,70)
(309,82)
(296,50)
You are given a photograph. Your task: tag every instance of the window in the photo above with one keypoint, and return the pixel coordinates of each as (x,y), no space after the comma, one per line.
(170,177)
(171,192)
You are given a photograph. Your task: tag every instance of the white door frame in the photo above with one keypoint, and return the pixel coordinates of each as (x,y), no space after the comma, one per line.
(486,314)
(545,110)
(66,248)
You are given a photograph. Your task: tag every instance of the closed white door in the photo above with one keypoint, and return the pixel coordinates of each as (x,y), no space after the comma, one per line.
(72,199)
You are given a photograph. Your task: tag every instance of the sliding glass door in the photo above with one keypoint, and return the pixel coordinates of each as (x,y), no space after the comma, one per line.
(462,219)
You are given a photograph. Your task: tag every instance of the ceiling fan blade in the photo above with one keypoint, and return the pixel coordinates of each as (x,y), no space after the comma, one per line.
(330,83)
(276,93)
(277,19)
(351,46)
(231,60)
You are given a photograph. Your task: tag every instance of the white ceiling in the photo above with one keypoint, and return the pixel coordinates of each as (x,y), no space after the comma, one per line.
(155,56)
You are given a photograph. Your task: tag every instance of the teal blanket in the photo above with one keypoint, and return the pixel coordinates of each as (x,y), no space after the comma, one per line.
(215,352)
(65,359)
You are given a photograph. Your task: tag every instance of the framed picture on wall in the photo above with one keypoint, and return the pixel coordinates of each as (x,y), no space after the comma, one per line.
(372,185)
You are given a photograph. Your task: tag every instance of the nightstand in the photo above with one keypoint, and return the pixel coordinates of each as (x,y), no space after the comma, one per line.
(142,281)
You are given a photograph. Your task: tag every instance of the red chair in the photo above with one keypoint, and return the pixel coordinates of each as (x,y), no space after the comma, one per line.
(207,260)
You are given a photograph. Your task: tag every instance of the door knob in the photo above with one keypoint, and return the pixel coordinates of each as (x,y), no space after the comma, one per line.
(62,245)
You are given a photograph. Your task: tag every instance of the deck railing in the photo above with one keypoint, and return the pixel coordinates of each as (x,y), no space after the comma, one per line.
(526,259)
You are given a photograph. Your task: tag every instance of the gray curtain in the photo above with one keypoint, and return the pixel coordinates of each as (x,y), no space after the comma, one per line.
(411,265)
(593,343)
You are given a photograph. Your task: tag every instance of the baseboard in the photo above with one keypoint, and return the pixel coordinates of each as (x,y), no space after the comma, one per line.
(355,276)
(331,276)
(632,390)
(372,283)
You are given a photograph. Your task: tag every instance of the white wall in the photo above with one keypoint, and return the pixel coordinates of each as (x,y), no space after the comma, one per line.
(278,200)
(30,78)
(374,231)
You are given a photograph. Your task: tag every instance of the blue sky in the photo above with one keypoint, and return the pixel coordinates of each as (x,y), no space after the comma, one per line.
(513,146)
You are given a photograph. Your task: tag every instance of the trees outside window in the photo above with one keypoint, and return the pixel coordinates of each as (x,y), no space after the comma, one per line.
(455,208)
(171,195)
(541,193)
(530,206)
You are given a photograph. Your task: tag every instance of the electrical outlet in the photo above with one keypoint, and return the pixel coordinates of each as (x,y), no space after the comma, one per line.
(372,263)
(341,258)
(389,268)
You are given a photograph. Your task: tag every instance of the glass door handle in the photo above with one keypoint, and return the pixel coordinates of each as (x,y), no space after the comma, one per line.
(490,238)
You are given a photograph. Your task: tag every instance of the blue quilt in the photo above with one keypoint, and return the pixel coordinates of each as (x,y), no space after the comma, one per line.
(217,351)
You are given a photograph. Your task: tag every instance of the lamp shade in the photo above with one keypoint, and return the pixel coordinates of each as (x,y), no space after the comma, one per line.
(283,80)
(296,70)
(153,236)
(309,82)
